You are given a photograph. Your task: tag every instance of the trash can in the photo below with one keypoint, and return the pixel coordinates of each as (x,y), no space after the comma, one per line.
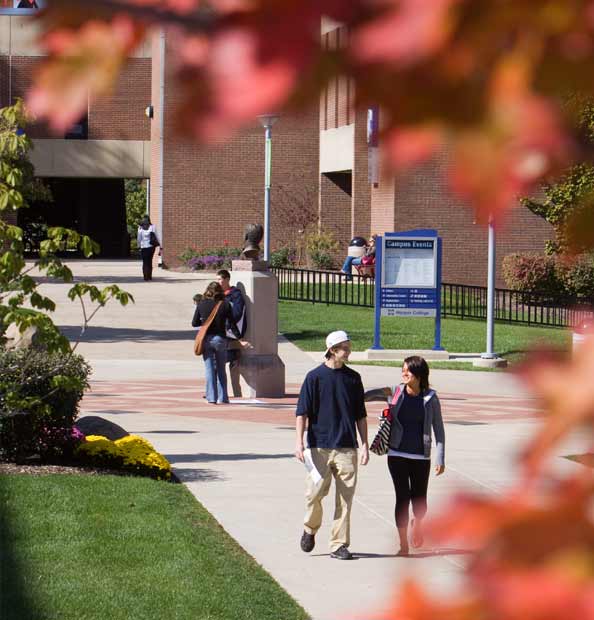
(357,247)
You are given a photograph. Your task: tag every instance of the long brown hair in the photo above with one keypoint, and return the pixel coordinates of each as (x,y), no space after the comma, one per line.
(214,291)
(420,369)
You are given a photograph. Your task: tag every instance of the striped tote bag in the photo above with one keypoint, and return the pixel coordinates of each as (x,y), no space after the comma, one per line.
(380,443)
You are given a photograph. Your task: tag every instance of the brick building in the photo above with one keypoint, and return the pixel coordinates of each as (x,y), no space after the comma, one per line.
(203,196)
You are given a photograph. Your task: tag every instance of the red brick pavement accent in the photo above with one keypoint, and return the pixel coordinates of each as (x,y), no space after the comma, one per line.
(184,398)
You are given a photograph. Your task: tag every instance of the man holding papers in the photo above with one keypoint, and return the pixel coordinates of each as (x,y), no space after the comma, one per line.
(332,401)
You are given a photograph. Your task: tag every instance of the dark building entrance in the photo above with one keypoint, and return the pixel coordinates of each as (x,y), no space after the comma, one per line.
(94,207)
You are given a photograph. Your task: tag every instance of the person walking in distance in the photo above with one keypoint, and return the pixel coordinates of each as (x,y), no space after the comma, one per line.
(235,298)
(331,401)
(414,410)
(147,242)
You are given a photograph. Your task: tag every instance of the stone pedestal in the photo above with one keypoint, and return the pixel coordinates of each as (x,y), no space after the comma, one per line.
(262,370)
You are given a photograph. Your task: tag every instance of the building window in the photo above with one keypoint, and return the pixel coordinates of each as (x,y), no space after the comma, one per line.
(78,131)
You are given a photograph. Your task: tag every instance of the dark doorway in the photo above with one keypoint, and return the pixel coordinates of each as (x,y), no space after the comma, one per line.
(94,207)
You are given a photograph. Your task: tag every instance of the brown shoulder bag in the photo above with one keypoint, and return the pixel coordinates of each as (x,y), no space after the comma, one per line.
(199,342)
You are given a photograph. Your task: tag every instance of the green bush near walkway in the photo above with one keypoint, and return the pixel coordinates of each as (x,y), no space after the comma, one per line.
(79,547)
(307,325)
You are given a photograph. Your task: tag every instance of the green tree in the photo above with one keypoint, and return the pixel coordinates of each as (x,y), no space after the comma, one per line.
(20,300)
(135,190)
(569,198)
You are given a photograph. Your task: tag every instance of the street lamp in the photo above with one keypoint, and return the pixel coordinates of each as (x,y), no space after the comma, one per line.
(267,121)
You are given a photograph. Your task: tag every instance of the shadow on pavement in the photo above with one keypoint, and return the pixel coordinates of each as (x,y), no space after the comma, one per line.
(105,280)
(15,594)
(119,334)
(165,432)
(434,553)
(205,457)
(199,475)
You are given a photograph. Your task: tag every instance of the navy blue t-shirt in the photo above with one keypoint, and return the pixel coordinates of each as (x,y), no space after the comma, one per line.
(412,416)
(333,401)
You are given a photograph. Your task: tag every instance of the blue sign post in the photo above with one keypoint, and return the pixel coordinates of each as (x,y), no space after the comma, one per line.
(408,278)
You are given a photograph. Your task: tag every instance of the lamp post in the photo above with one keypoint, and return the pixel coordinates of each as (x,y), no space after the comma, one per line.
(267,121)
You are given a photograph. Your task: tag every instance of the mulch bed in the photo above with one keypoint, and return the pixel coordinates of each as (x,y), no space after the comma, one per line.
(42,470)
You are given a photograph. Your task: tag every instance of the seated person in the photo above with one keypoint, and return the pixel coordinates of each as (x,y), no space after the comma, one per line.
(353,260)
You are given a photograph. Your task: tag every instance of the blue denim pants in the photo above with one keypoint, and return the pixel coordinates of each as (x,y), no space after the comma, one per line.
(215,357)
(350,260)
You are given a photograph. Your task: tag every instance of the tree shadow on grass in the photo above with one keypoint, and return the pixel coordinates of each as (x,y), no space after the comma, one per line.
(16,602)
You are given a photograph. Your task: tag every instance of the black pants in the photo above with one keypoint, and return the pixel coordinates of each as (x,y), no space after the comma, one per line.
(147,262)
(410,478)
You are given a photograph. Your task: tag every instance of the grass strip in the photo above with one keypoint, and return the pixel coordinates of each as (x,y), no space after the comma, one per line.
(433,364)
(124,548)
(306,325)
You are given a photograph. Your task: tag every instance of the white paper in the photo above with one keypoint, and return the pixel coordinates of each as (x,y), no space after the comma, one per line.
(311,468)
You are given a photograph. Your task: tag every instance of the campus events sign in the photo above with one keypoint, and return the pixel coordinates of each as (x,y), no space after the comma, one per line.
(408,279)
(409,275)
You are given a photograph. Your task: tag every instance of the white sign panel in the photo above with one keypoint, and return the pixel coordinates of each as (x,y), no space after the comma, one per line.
(409,262)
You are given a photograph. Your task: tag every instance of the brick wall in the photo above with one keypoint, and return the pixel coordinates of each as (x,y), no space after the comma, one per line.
(361,208)
(120,116)
(117,117)
(423,200)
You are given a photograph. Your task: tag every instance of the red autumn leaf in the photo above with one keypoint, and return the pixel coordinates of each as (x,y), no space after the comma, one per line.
(538,594)
(407,146)
(524,527)
(566,390)
(404,32)
(82,63)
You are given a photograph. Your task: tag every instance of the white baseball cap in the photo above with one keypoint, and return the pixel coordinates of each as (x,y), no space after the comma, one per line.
(334,338)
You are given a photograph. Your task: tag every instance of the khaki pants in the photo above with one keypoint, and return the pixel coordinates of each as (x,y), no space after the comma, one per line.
(340,464)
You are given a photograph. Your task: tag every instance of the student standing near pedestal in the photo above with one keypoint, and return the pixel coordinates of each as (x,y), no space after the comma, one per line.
(332,402)
(235,298)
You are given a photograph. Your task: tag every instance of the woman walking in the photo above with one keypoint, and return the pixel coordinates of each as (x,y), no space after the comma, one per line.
(215,342)
(147,242)
(414,410)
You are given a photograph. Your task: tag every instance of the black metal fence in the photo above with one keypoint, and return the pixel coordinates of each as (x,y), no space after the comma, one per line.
(457,300)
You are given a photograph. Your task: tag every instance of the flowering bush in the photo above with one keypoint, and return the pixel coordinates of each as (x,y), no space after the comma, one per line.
(530,272)
(39,396)
(209,259)
(283,257)
(131,453)
(550,275)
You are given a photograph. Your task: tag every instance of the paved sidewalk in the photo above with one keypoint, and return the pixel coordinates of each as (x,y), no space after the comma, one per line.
(238,459)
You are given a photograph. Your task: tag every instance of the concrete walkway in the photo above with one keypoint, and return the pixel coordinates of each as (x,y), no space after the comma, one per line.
(238,459)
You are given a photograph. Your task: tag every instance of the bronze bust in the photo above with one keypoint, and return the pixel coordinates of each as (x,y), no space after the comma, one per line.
(253,237)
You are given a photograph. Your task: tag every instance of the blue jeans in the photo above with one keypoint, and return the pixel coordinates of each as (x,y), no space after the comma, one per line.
(215,357)
(351,260)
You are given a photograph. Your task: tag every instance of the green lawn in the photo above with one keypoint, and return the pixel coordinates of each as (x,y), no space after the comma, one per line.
(307,324)
(124,548)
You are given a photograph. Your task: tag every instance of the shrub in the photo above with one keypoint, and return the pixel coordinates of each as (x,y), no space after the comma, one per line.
(533,273)
(39,397)
(209,259)
(320,248)
(578,277)
(132,454)
(283,257)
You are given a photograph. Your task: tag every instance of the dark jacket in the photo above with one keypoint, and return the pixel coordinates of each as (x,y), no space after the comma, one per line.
(219,325)
(235,298)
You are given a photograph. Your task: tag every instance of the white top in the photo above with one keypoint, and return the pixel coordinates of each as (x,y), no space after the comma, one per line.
(144,236)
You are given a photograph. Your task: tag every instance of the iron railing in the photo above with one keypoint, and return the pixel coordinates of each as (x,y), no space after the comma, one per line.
(457,300)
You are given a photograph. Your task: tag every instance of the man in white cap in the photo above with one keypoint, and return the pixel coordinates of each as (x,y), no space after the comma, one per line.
(332,401)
